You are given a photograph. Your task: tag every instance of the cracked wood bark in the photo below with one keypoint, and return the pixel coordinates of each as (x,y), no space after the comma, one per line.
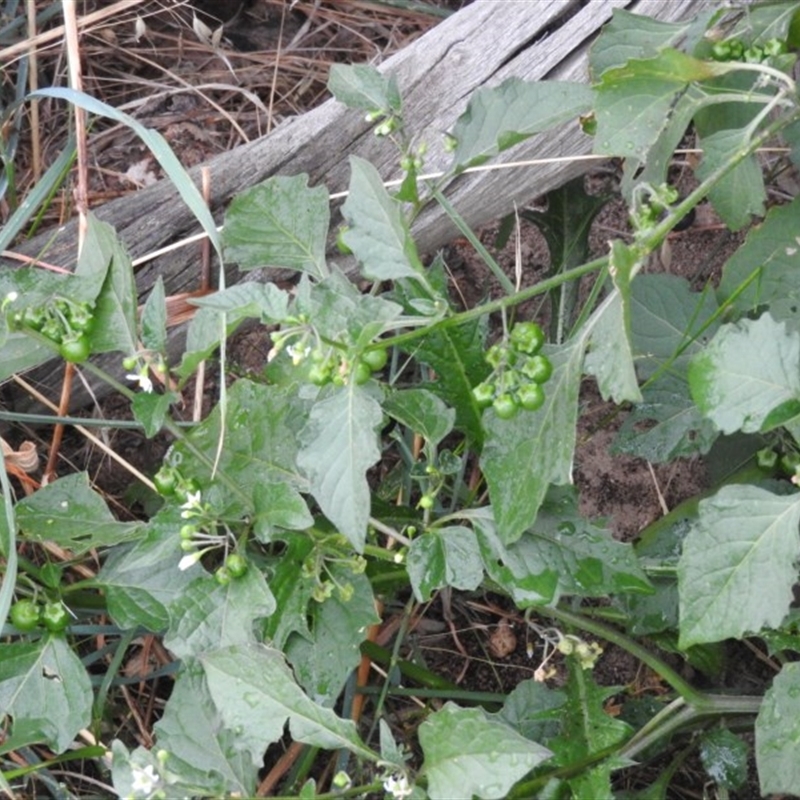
(481,45)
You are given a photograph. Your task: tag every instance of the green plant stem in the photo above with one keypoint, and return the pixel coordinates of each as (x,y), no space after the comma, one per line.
(684,689)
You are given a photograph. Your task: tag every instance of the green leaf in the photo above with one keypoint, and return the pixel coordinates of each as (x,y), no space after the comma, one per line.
(765,270)
(379,234)
(633,36)
(154,319)
(339,445)
(534,710)
(279,223)
(209,617)
(261,429)
(323,661)
(467,753)
(44,688)
(142,580)
(69,513)
(362,86)
(422,412)
(778,732)
(203,757)
(523,456)
(740,194)
(255,694)
(279,506)
(456,356)
(666,424)
(151,410)
(766,21)
(724,757)
(667,316)
(444,557)
(21,353)
(737,569)
(264,301)
(634,103)
(498,118)
(587,729)
(115,313)
(748,370)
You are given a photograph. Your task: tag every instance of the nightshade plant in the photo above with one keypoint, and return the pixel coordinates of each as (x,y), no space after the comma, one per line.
(277,534)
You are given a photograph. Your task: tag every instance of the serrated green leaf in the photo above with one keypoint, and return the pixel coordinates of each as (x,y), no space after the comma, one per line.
(140,581)
(456,355)
(279,223)
(632,36)
(635,102)
(422,412)
(498,118)
(209,617)
(587,729)
(749,369)
(154,319)
(323,661)
(69,513)
(362,86)
(379,234)
(765,270)
(740,194)
(666,316)
(523,456)
(45,690)
(203,757)
(778,732)
(339,445)
(150,409)
(469,754)
(115,311)
(666,424)
(444,557)
(724,757)
(736,572)
(255,694)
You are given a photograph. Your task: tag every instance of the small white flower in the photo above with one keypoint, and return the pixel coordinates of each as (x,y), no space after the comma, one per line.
(11,297)
(143,379)
(191,506)
(298,353)
(397,786)
(145,780)
(190,559)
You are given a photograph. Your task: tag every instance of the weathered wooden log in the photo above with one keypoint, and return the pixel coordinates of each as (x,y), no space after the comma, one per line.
(481,45)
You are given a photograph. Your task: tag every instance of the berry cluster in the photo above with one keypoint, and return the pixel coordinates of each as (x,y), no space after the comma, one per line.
(28,615)
(736,50)
(65,322)
(519,371)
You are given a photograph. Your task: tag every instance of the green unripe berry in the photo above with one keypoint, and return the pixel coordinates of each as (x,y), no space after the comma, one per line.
(505,406)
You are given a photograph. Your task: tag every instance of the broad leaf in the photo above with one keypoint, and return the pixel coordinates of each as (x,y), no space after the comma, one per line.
(534,710)
(498,118)
(151,410)
(141,580)
(740,194)
(204,757)
(736,572)
(279,223)
(765,270)
(255,694)
(339,445)
(279,507)
(724,756)
(468,754)
(323,662)
(379,234)
(208,616)
(778,732)
(264,301)
(748,377)
(523,456)
(45,690)
(206,330)
(70,513)
(362,86)
(154,319)
(422,412)
(444,557)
